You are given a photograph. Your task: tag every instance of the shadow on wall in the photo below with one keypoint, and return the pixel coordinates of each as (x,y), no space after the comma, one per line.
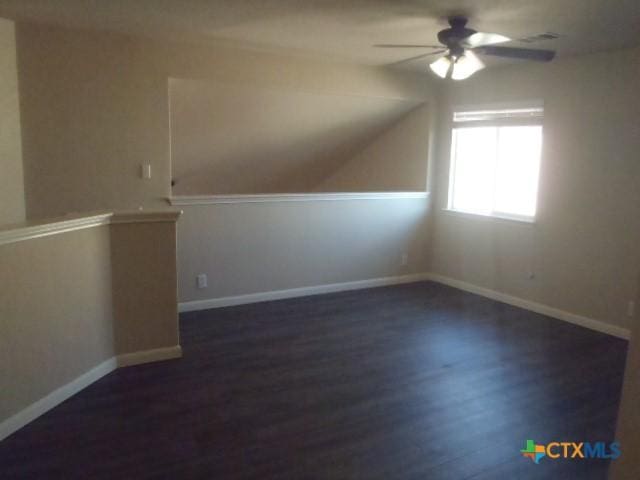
(232,139)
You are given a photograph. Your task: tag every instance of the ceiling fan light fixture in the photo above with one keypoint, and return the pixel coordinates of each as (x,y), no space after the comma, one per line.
(460,44)
(457,68)
(466,65)
(441,66)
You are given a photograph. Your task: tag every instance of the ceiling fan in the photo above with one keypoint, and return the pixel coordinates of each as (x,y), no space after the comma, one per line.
(460,44)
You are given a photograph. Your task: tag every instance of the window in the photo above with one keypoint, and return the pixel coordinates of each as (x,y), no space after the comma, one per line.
(495,162)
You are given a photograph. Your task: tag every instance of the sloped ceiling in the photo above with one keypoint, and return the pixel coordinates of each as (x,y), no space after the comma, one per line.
(396,160)
(345,29)
(235,139)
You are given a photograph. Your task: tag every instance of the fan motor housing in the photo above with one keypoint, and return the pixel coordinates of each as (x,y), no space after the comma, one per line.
(451,37)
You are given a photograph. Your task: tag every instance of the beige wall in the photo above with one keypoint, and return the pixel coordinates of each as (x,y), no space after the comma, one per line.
(395,160)
(143,257)
(583,248)
(250,248)
(93,110)
(12,208)
(250,139)
(103,109)
(627,467)
(72,300)
(56,319)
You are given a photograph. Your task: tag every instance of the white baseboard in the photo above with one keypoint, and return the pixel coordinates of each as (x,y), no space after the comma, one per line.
(590,323)
(147,356)
(22,418)
(298,292)
(55,398)
(586,322)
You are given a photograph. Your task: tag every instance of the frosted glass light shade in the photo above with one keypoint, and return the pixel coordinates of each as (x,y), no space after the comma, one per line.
(441,66)
(466,65)
(457,68)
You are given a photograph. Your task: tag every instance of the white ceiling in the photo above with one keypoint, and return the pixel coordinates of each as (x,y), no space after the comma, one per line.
(346,29)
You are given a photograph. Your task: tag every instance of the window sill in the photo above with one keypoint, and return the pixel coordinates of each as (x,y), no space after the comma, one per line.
(483,217)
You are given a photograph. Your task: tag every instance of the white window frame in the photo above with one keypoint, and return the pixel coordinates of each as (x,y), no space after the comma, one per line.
(530,113)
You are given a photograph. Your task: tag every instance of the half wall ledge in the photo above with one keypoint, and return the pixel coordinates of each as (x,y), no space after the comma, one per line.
(182,200)
(42,228)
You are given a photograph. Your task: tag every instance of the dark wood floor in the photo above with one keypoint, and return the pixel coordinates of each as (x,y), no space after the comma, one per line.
(413,381)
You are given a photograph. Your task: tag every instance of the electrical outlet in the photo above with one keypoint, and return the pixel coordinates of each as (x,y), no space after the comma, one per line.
(631,308)
(202,280)
(404,259)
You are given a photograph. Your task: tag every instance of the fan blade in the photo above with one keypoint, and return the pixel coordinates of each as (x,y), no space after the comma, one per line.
(391,45)
(480,39)
(417,57)
(519,53)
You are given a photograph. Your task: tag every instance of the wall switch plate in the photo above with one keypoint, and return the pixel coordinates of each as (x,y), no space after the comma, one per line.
(146,171)
(404,260)
(202,280)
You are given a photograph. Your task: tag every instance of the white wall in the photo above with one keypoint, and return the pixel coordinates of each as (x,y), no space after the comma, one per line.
(12,203)
(583,248)
(250,248)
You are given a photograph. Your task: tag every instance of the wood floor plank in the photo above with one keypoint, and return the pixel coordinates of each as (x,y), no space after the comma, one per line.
(410,381)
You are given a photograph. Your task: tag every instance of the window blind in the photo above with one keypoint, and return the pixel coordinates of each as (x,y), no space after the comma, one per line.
(495,115)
